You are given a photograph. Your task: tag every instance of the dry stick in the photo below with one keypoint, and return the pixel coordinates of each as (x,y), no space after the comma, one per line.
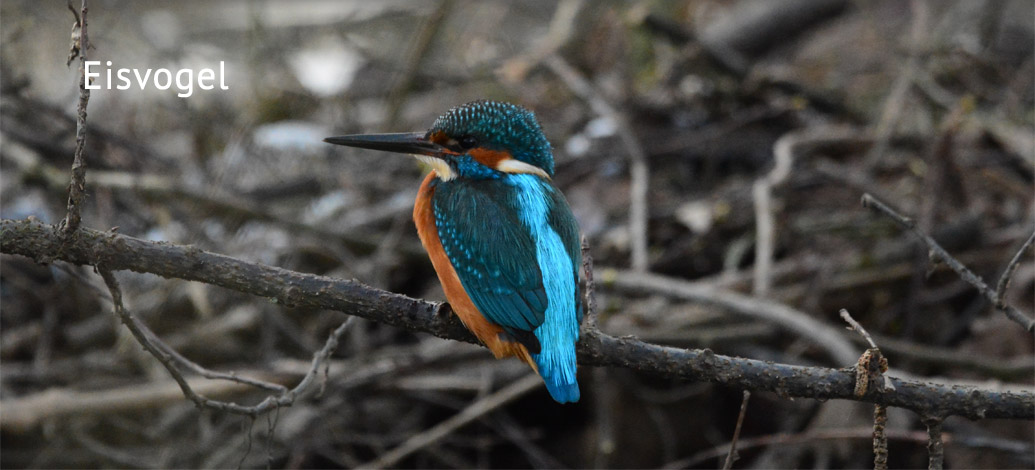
(225,204)
(880,412)
(561,26)
(639,172)
(1004,280)
(784,439)
(730,457)
(77,187)
(474,411)
(935,446)
(937,253)
(857,327)
(418,50)
(896,101)
(207,373)
(25,413)
(761,192)
(160,351)
(589,301)
(120,252)
(1001,368)
(829,338)
(880,437)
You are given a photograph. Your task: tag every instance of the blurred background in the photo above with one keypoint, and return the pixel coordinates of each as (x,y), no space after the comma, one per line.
(927,105)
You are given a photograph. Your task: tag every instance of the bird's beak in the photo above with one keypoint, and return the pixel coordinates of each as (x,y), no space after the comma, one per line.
(403,142)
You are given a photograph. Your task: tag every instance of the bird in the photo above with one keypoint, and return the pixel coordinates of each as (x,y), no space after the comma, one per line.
(500,235)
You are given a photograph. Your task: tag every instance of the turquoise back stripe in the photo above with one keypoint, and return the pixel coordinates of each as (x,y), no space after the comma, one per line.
(560,329)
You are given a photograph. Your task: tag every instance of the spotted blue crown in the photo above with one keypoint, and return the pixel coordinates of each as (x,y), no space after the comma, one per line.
(499,126)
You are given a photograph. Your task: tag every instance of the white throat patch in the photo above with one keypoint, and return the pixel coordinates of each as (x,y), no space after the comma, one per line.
(442,169)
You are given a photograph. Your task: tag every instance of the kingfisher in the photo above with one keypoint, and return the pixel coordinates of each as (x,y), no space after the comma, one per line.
(500,235)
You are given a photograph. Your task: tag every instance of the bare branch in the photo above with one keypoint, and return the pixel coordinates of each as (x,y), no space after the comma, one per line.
(935,447)
(120,252)
(822,334)
(639,171)
(1004,280)
(589,301)
(474,411)
(937,253)
(880,437)
(857,327)
(169,360)
(872,366)
(77,188)
(761,192)
(730,457)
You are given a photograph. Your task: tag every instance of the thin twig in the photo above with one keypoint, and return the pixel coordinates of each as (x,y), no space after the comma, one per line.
(880,437)
(761,191)
(418,51)
(561,26)
(589,301)
(732,455)
(77,187)
(829,338)
(474,411)
(165,356)
(857,327)
(896,100)
(872,366)
(937,253)
(639,172)
(935,447)
(785,439)
(211,374)
(1004,280)
(605,395)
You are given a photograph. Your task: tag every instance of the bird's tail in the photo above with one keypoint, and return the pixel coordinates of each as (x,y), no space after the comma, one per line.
(558,371)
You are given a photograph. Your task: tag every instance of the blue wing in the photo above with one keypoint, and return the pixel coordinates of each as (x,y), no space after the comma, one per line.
(493,253)
(563,222)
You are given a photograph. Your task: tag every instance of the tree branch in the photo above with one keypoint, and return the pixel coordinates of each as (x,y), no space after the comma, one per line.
(937,253)
(120,252)
(77,188)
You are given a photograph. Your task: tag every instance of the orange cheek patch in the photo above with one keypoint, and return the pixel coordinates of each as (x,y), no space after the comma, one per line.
(489,158)
(439,138)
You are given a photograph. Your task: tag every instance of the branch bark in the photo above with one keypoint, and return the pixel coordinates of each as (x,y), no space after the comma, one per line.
(77,187)
(120,252)
(936,253)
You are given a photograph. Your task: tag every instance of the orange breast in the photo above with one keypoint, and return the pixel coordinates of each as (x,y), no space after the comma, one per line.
(486,331)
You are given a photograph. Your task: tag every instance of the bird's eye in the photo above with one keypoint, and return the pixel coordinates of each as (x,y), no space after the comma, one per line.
(468,141)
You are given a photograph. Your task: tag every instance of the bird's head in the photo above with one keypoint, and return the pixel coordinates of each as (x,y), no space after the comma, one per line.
(477,140)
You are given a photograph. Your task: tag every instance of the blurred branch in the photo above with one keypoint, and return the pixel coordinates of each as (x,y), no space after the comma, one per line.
(474,411)
(935,446)
(896,101)
(418,50)
(761,193)
(827,337)
(119,252)
(25,412)
(639,172)
(516,69)
(1004,279)
(230,206)
(937,253)
(997,367)
(843,434)
(170,359)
